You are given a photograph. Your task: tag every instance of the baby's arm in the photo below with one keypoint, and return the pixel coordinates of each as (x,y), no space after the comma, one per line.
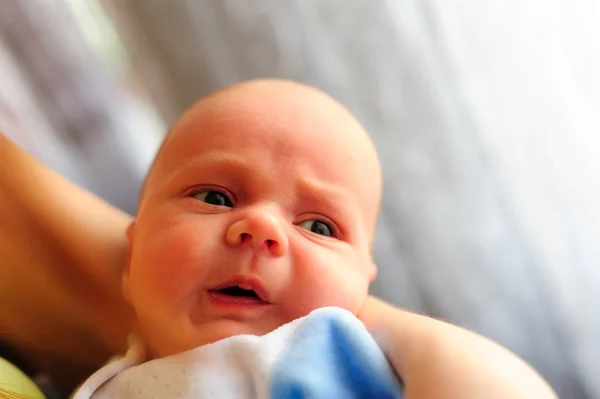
(438,360)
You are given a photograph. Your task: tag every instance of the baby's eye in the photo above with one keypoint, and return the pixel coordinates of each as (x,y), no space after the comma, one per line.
(317,227)
(214,198)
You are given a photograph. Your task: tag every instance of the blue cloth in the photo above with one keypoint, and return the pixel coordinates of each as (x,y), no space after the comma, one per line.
(331,355)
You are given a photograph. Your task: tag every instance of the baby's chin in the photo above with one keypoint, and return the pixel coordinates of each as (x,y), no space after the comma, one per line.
(205,334)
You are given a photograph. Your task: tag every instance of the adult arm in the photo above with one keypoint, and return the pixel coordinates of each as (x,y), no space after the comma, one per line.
(61,251)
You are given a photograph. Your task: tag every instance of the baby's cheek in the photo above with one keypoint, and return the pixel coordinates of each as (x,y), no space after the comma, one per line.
(169,265)
(327,277)
(329,289)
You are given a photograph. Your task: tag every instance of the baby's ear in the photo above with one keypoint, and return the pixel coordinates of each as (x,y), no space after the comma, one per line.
(372,271)
(130,232)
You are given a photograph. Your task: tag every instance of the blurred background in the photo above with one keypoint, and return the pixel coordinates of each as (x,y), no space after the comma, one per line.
(485,113)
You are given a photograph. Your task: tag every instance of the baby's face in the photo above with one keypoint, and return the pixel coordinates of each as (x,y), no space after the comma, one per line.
(259,209)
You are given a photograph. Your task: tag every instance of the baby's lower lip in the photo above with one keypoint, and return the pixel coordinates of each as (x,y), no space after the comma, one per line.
(225,299)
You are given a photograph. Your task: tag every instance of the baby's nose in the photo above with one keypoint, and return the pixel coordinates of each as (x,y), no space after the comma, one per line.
(260,229)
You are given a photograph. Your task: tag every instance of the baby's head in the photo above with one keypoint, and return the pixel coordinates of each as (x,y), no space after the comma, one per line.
(259,208)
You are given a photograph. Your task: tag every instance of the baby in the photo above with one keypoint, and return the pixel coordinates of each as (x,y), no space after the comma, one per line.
(259,210)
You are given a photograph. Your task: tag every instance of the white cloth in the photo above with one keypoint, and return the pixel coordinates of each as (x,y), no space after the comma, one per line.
(342,356)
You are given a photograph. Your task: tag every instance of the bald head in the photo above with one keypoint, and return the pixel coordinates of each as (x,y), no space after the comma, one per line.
(277,101)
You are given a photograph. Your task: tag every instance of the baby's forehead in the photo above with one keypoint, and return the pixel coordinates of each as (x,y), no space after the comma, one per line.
(295,134)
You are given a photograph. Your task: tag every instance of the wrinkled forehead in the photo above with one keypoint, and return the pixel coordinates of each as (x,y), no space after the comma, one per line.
(328,140)
(274,135)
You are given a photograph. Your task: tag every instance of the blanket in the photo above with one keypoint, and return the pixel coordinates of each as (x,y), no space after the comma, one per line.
(326,354)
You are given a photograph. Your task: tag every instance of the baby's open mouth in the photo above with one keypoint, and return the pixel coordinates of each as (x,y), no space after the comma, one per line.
(238,292)
(243,293)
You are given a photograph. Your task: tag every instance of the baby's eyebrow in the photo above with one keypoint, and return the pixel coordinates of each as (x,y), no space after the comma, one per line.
(211,162)
(340,201)
(218,160)
(309,187)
